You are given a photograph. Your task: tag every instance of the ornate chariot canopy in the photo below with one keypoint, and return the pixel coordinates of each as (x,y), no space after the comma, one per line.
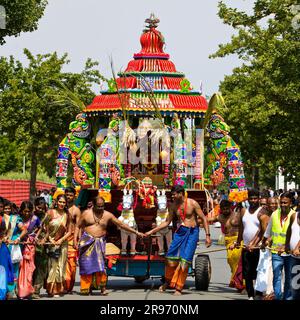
(150,72)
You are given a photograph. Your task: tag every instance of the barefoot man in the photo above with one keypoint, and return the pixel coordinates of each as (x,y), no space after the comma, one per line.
(230,219)
(181,252)
(94,223)
(75,213)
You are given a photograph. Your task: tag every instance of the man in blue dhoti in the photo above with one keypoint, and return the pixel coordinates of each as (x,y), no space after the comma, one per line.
(181,252)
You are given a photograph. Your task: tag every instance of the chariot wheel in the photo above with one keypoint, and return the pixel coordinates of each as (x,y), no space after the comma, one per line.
(202,272)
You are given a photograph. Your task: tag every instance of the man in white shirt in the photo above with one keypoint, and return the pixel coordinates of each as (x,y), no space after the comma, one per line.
(251,220)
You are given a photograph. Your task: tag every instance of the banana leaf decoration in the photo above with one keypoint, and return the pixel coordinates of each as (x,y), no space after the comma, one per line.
(66,97)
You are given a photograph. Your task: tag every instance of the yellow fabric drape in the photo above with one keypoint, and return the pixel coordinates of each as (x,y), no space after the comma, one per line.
(57,266)
(233,259)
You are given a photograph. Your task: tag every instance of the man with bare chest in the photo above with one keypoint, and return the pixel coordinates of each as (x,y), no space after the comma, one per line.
(74,213)
(230,220)
(92,243)
(181,252)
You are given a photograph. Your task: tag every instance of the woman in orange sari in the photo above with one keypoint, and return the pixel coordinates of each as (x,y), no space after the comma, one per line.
(57,224)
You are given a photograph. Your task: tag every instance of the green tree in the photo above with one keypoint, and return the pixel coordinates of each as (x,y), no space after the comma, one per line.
(263,94)
(11,156)
(35,109)
(21,16)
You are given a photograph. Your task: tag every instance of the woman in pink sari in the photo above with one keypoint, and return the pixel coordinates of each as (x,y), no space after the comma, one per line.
(32,224)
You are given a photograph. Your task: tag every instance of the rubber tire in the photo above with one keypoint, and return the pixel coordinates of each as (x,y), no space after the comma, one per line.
(140,279)
(202,272)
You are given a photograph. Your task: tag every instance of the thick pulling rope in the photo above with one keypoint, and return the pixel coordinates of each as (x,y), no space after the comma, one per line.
(203,252)
(223,249)
(152,236)
(213,250)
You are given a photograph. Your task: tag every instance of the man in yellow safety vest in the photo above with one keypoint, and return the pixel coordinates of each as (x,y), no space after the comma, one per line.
(275,236)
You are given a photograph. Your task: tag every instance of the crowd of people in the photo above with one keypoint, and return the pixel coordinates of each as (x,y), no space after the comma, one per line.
(42,243)
(28,263)
(262,236)
(39,246)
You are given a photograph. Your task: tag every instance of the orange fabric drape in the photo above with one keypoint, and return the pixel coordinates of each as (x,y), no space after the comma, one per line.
(176,275)
(98,280)
(71,267)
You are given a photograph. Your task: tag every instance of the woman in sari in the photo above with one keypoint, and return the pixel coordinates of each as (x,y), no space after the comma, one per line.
(32,224)
(16,231)
(58,229)
(40,259)
(6,267)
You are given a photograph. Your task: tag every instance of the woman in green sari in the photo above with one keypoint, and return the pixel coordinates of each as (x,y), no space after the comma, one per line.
(58,229)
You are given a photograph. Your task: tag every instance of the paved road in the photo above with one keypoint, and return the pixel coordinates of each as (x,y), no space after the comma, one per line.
(127,289)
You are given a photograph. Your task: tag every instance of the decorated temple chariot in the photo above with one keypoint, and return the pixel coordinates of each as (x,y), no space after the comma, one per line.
(150,130)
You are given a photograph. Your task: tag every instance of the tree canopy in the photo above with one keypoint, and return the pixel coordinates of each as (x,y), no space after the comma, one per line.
(263,94)
(35,110)
(20,16)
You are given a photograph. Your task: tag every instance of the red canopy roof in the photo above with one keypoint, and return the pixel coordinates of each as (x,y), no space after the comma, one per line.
(150,68)
(177,102)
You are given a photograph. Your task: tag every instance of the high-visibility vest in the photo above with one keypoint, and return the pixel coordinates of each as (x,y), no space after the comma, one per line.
(278,231)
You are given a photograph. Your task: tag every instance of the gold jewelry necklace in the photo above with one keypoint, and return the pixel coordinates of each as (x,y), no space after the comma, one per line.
(97,220)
